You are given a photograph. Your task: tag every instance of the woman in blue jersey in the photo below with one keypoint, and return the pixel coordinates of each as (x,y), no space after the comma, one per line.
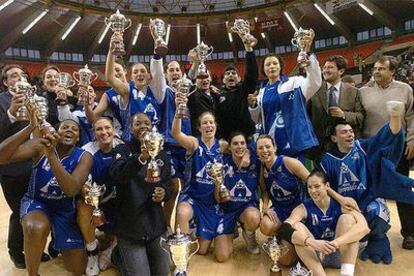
(329,234)
(101,150)
(281,106)
(242,183)
(196,200)
(59,171)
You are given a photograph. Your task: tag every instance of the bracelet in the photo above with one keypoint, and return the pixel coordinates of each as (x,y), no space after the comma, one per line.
(140,161)
(305,240)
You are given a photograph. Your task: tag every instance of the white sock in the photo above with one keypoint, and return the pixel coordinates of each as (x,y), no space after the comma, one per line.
(92,245)
(347,269)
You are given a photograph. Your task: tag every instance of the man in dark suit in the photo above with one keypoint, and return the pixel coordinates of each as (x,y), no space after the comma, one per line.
(335,100)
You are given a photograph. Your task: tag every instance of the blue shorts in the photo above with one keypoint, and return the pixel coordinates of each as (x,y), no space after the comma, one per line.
(282,213)
(207,218)
(230,218)
(178,162)
(64,227)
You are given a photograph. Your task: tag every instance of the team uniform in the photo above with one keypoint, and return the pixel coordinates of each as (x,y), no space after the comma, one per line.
(138,102)
(285,190)
(45,195)
(242,185)
(174,151)
(100,174)
(199,191)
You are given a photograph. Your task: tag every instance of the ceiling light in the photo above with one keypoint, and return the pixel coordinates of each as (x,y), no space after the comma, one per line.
(230,37)
(71,27)
(6,4)
(263,35)
(167,36)
(365,8)
(103,34)
(324,13)
(37,19)
(134,40)
(290,20)
(198,34)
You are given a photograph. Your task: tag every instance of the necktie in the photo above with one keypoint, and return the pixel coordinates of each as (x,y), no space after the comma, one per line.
(332,101)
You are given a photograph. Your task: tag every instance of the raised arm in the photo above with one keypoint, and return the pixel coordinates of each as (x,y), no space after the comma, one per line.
(92,114)
(251,74)
(313,81)
(64,113)
(158,83)
(188,142)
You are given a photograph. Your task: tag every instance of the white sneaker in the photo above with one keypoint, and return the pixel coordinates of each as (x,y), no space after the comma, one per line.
(92,268)
(105,260)
(251,243)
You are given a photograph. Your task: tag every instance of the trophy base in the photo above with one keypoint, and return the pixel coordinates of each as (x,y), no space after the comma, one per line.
(251,41)
(98,219)
(161,50)
(275,273)
(152,179)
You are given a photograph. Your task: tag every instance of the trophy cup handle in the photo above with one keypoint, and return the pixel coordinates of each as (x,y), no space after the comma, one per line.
(103,188)
(265,248)
(196,250)
(107,22)
(71,83)
(294,42)
(74,76)
(163,241)
(94,77)
(210,51)
(128,24)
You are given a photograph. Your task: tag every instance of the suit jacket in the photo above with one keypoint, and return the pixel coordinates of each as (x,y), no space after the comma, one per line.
(349,102)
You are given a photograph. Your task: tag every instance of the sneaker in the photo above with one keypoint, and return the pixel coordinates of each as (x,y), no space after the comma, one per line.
(18,260)
(45,258)
(105,261)
(251,242)
(53,253)
(92,267)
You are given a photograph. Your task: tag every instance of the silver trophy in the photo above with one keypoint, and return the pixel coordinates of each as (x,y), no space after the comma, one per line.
(38,105)
(183,87)
(179,245)
(23,87)
(118,23)
(153,142)
(299,270)
(302,39)
(84,77)
(275,251)
(92,195)
(216,173)
(203,52)
(158,31)
(65,81)
(242,28)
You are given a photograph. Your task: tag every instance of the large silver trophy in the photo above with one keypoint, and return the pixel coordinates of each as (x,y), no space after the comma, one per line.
(153,142)
(92,194)
(179,245)
(203,52)
(216,173)
(299,270)
(158,31)
(242,28)
(183,87)
(23,87)
(84,77)
(275,251)
(302,39)
(118,23)
(65,81)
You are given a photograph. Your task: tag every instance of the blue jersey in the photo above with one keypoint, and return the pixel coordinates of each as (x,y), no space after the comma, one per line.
(347,175)
(242,183)
(199,186)
(283,187)
(43,186)
(274,123)
(168,112)
(87,134)
(100,170)
(138,102)
(322,226)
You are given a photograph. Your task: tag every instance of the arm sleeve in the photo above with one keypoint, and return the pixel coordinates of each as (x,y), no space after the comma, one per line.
(158,83)
(251,74)
(65,114)
(409,117)
(313,81)
(356,118)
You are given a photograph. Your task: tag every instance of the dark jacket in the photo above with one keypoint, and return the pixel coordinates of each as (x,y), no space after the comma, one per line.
(232,107)
(198,103)
(7,129)
(138,218)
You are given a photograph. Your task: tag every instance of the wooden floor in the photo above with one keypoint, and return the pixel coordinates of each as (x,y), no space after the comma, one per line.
(241,264)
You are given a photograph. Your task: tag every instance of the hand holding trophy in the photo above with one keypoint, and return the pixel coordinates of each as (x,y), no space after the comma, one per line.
(203,51)
(84,77)
(216,173)
(158,31)
(153,142)
(118,23)
(65,81)
(183,87)
(302,40)
(23,87)
(242,28)
(92,194)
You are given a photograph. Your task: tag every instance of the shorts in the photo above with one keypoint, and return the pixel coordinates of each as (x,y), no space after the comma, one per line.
(282,213)
(332,260)
(178,162)
(63,222)
(231,218)
(208,219)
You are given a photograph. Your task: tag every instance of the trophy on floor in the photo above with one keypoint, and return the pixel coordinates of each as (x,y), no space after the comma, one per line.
(153,142)
(84,77)
(203,52)
(23,87)
(183,87)
(242,28)
(216,173)
(65,81)
(179,245)
(92,195)
(118,23)
(299,270)
(158,31)
(302,39)
(275,251)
